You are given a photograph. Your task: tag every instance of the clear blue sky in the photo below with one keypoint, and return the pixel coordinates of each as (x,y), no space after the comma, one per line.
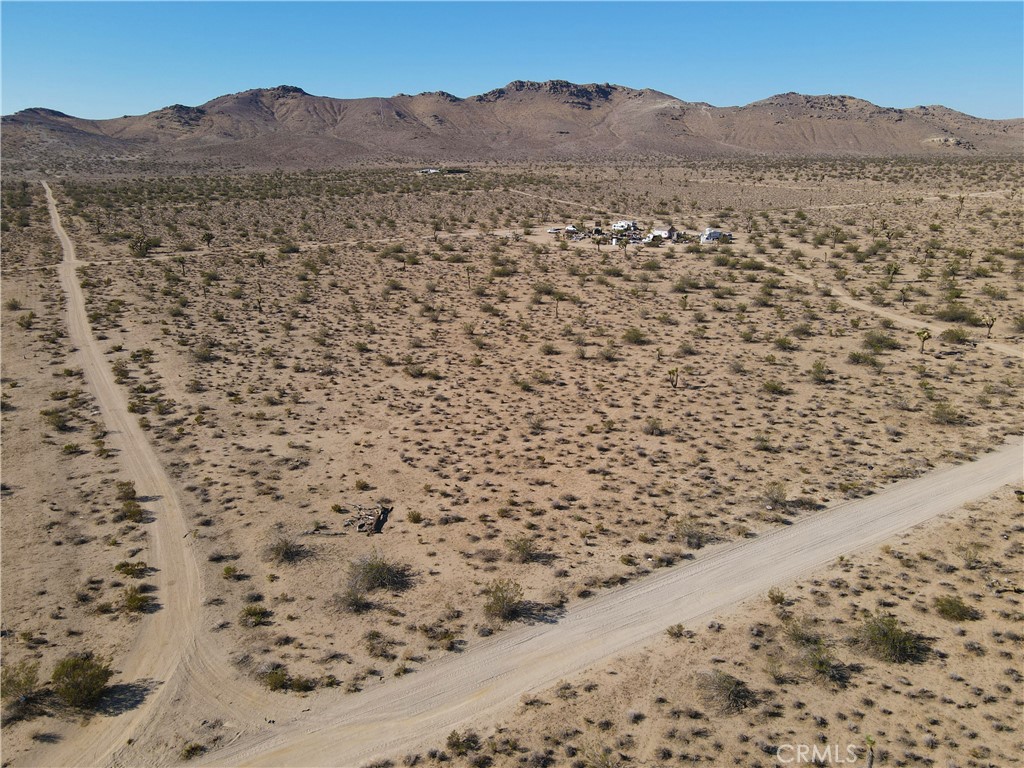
(100,60)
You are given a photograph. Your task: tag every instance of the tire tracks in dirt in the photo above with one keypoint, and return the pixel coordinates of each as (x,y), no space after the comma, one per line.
(169,634)
(485,683)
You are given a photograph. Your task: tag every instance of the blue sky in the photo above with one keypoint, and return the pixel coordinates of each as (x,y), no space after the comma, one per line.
(100,60)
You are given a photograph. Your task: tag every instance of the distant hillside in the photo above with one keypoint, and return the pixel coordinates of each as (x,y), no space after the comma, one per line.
(287,127)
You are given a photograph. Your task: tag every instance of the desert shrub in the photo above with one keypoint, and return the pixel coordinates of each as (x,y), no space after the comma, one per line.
(955,335)
(776,596)
(775,493)
(883,637)
(693,533)
(726,693)
(864,358)
(823,665)
(377,572)
(944,413)
(653,426)
(462,744)
(676,631)
(79,680)
(19,687)
(504,599)
(521,549)
(378,644)
(130,510)
(57,419)
(877,341)
(775,388)
(284,550)
(635,336)
(953,608)
(190,751)
(820,372)
(254,616)
(133,570)
(802,634)
(125,490)
(352,600)
(955,312)
(135,600)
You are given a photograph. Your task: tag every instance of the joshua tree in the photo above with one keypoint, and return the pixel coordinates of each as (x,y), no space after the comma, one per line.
(989,321)
(924,334)
(673,377)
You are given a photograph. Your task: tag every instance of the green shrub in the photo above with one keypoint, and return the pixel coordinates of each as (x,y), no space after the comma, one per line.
(378,644)
(284,550)
(944,413)
(820,372)
(504,599)
(190,751)
(19,683)
(461,744)
(254,616)
(135,600)
(634,336)
(955,312)
(883,637)
(377,572)
(955,335)
(136,570)
(953,608)
(80,679)
(521,549)
(877,341)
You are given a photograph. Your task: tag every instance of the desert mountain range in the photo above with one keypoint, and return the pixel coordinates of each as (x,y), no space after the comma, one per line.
(287,127)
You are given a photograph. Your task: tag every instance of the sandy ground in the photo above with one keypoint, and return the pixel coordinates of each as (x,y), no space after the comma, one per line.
(486,383)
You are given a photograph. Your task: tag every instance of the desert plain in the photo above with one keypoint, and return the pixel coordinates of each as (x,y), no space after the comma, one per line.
(278,440)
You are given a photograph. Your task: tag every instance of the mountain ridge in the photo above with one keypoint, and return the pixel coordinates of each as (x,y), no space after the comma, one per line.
(523,120)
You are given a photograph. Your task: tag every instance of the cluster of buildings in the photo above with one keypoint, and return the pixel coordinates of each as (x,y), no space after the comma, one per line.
(629,231)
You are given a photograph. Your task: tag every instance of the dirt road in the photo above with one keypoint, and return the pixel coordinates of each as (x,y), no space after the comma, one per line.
(486,683)
(169,634)
(184,666)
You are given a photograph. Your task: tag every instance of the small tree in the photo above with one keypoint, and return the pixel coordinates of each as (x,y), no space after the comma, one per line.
(988,321)
(79,679)
(924,334)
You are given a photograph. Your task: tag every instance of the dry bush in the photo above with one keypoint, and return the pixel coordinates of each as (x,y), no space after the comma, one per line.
(726,693)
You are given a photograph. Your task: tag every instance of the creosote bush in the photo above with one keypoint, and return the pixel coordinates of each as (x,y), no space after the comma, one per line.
(374,571)
(883,637)
(953,608)
(19,685)
(504,599)
(79,680)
